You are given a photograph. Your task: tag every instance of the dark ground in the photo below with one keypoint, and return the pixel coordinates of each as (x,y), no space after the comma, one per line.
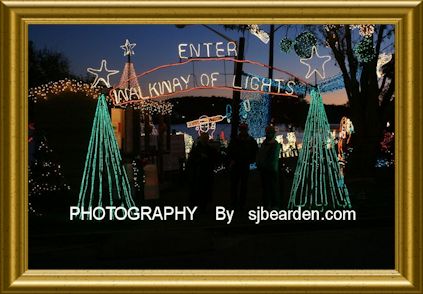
(368,243)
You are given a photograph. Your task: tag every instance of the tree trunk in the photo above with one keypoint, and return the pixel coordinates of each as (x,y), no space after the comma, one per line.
(366,120)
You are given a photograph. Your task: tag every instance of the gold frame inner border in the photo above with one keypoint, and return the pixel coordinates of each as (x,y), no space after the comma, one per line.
(15,277)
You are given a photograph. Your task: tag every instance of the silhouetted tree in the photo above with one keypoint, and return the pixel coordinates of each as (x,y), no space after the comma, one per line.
(45,65)
(368,96)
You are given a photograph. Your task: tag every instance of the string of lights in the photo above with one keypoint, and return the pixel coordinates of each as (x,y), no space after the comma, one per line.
(44,176)
(136,173)
(386,147)
(258,116)
(54,88)
(364,50)
(298,88)
(304,43)
(129,80)
(154,107)
(286,45)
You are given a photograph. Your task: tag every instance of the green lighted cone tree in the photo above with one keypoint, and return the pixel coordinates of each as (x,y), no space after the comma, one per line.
(104,181)
(318,183)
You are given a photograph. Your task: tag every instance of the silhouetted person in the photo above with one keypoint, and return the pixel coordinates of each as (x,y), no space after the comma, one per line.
(242,151)
(268,165)
(201,163)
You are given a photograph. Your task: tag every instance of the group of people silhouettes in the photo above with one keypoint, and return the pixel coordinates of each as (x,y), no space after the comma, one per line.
(242,151)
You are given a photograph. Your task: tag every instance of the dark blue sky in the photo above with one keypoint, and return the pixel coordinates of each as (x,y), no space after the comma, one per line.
(86,45)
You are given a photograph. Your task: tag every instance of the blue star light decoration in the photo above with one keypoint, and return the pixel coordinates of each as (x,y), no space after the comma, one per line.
(127,48)
(320,69)
(102,74)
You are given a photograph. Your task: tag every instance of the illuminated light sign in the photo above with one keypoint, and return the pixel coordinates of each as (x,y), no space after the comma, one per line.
(128,78)
(206,123)
(265,85)
(169,86)
(218,49)
(382,60)
(289,149)
(155,89)
(256,31)
(127,48)
(244,109)
(102,74)
(129,91)
(367,30)
(204,119)
(311,69)
(182,84)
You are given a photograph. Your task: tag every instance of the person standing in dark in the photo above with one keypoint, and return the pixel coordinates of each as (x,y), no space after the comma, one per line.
(268,165)
(201,163)
(242,151)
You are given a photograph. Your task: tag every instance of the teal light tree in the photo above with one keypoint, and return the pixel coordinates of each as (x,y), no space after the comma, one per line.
(104,181)
(318,182)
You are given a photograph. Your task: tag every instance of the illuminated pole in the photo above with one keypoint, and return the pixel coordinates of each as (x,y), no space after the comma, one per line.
(131,117)
(237,94)
(136,129)
(236,97)
(270,73)
(128,115)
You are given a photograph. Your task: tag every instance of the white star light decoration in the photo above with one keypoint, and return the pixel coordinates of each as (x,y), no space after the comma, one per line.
(102,74)
(127,47)
(311,70)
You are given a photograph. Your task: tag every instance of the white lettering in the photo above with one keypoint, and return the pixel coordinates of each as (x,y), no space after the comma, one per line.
(289,86)
(151,88)
(165,84)
(213,78)
(191,212)
(254,86)
(233,84)
(124,213)
(208,48)
(182,50)
(279,81)
(193,49)
(264,84)
(222,214)
(133,213)
(157,214)
(168,211)
(102,211)
(176,83)
(86,212)
(145,212)
(74,211)
(186,81)
(205,84)
(231,46)
(219,49)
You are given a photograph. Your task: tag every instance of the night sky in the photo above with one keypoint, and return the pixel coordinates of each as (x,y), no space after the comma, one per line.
(86,45)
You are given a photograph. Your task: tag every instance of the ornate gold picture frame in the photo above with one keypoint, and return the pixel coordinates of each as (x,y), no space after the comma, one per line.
(15,276)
